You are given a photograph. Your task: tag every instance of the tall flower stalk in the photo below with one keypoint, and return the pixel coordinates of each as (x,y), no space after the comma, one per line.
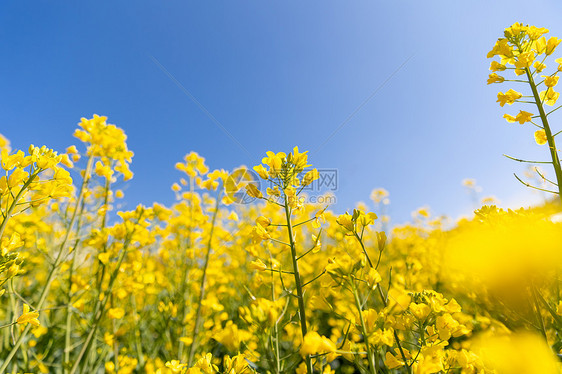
(524,50)
(284,172)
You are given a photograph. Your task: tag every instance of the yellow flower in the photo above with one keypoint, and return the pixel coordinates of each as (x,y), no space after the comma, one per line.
(420,311)
(316,344)
(536,32)
(310,177)
(71,150)
(383,337)
(551,45)
(345,220)
(392,362)
(550,81)
(205,364)
(501,48)
(9,244)
(109,367)
(515,29)
(175,366)
(366,219)
(373,278)
(4,144)
(522,117)
(378,195)
(540,137)
(274,161)
(28,317)
(104,257)
(259,233)
(539,66)
(263,221)
(496,66)
(258,265)
(299,160)
(108,339)
(253,191)
(116,313)
(261,171)
(235,365)
(494,78)
(517,353)
(549,96)
(525,60)
(509,97)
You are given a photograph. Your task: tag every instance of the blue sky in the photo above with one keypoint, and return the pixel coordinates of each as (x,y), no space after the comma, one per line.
(276,75)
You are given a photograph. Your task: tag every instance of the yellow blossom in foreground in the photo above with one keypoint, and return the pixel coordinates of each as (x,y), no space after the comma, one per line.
(518,353)
(505,250)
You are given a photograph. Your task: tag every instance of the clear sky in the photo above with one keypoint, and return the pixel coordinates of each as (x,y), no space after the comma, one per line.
(275,75)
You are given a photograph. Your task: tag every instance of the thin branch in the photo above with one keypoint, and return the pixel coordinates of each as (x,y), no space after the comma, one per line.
(316,277)
(530,162)
(536,188)
(544,178)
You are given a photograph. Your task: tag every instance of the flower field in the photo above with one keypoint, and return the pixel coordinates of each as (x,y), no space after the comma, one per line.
(235,278)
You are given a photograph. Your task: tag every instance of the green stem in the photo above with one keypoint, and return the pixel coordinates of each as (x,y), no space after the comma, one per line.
(298,284)
(548,132)
(276,327)
(385,303)
(364,250)
(138,344)
(67,335)
(396,338)
(538,313)
(186,266)
(370,355)
(203,281)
